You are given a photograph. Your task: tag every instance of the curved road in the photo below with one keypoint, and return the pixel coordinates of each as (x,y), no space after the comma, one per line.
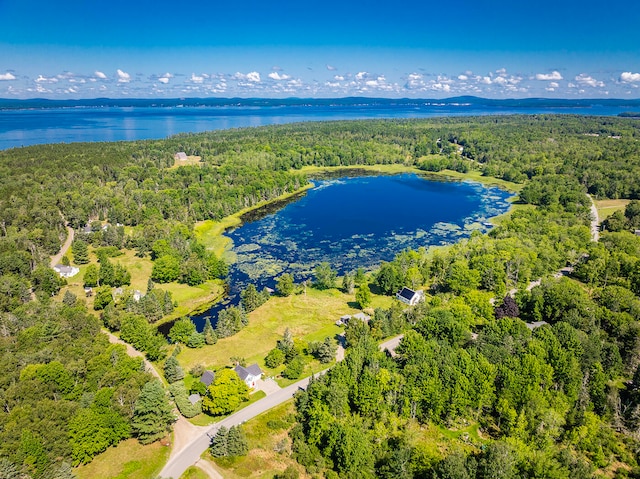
(190,453)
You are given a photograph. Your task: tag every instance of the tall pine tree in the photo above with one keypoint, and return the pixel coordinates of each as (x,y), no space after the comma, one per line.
(152,416)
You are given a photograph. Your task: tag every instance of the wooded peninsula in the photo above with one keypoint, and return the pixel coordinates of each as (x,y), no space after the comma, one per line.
(522,361)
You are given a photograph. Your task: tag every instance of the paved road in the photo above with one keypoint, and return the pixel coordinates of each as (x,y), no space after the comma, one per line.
(190,453)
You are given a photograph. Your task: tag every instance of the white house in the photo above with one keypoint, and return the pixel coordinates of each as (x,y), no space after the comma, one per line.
(181,155)
(410,297)
(66,271)
(250,375)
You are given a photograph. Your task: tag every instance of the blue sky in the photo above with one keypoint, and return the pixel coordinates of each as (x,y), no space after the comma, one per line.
(410,48)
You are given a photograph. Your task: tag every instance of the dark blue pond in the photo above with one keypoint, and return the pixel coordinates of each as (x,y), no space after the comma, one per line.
(355,222)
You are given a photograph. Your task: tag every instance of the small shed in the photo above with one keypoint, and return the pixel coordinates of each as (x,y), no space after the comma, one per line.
(181,155)
(207,378)
(250,375)
(409,296)
(194,398)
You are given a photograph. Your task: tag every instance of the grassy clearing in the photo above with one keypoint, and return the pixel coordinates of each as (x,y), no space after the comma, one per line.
(310,317)
(191,160)
(607,207)
(194,473)
(189,298)
(262,460)
(128,460)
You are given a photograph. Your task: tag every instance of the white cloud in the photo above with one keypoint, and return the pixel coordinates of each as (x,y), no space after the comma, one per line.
(629,77)
(554,75)
(331,68)
(277,76)
(197,78)
(584,79)
(123,77)
(361,75)
(7,76)
(42,79)
(100,75)
(253,77)
(338,78)
(553,85)
(441,87)
(164,79)
(463,77)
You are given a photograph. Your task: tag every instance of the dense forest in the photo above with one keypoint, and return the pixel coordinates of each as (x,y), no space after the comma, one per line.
(559,400)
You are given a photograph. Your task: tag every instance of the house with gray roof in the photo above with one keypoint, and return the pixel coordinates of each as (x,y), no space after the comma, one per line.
(250,375)
(207,378)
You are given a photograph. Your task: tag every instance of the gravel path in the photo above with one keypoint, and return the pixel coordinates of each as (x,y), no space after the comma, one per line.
(65,247)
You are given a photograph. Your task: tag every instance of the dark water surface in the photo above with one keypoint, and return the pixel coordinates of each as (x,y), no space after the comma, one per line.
(356,222)
(29,125)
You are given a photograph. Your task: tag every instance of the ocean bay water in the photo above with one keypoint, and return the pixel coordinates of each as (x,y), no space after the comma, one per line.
(355,221)
(82,122)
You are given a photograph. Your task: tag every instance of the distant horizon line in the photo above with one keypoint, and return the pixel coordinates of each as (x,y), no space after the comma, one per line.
(13,103)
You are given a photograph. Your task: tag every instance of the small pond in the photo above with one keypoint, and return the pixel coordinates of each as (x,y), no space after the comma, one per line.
(355,222)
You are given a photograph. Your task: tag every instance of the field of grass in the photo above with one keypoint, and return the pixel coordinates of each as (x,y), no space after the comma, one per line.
(128,460)
(191,160)
(263,461)
(607,207)
(194,473)
(310,317)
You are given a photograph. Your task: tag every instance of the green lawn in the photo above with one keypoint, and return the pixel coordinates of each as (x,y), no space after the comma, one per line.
(310,317)
(607,207)
(194,473)
(265,437)
(128,460)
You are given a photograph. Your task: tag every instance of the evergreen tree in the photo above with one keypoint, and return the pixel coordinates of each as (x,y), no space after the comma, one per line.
(80,251)
(237,444)
(325,276)
(69,298)
(363,296)
(91,276)
(152,415)
(219,446)
(348,283)
(284,285)
(172,370)
(210,336)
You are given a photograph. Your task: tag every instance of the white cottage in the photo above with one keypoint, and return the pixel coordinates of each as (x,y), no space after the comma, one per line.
(250,375)
(409,296)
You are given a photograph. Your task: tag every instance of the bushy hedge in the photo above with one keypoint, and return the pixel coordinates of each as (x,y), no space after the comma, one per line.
(181,398)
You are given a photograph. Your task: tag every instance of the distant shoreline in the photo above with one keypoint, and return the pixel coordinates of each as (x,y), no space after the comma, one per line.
(43,103)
